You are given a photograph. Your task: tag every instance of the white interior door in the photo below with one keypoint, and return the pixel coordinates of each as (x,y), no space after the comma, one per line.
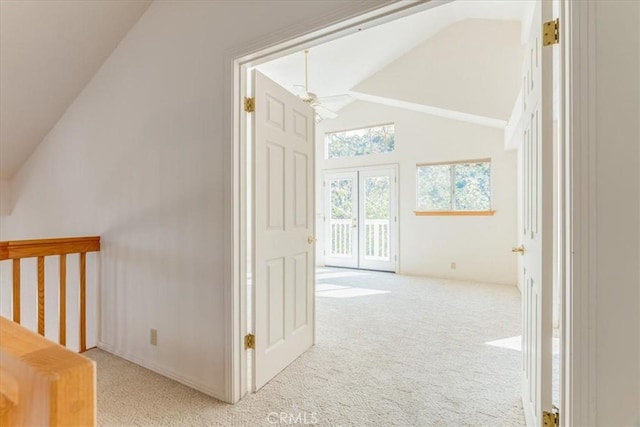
(283,224)
(341,219)
(537,225)
(361,219)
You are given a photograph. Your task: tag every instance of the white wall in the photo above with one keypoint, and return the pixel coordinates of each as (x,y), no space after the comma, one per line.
(618,212)
(481,245)
(6,199)
(137,159)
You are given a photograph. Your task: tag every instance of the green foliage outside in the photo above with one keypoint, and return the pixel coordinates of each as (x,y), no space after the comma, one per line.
(434,188)
(341,199)
(471,189)
(377,194)
(360,142)
(376,198)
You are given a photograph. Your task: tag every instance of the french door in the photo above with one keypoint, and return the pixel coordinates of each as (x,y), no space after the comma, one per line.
(361,218)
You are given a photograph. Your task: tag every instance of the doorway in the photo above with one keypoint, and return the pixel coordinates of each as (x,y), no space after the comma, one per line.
(361,218)
(358,178)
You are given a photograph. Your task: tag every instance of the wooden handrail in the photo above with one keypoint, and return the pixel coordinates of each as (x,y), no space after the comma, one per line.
(41,248)
(43,383)
(46,247)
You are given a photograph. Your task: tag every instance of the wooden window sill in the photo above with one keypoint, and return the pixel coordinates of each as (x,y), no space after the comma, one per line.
(454,213)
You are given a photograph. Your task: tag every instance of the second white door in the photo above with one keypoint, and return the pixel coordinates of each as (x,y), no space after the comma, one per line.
(361,219)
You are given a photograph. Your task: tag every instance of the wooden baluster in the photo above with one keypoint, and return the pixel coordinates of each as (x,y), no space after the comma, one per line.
(63,300)
(16,290)
(41,295)
(83,297)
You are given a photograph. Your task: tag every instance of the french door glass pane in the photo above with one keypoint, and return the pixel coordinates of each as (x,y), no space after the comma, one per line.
(377,206)
(342,214)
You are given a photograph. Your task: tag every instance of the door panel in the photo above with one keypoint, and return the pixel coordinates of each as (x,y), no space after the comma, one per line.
(341,226)
(283,224)
(537,231)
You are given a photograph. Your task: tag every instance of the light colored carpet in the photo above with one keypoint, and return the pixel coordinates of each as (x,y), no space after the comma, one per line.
(391,351)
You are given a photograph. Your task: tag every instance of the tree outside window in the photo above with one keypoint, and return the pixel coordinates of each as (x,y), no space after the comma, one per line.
(360,142)
(455,186)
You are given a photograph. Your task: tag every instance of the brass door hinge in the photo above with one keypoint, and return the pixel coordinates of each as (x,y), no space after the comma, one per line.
(249,342)
(551,419)
(249,104)
(551,32)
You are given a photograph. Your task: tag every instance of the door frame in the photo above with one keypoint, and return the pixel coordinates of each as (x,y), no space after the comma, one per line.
(577,161)
(395,204)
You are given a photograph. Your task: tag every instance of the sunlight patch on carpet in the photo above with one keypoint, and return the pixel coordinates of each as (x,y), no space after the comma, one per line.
(513,343)
(347,292)
(338,274)
(321,287)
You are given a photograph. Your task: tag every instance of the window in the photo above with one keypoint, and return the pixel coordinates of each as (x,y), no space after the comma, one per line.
(454,188)
(360,142)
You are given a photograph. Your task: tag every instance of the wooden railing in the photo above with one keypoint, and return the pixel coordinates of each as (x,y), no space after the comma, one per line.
(43,383)
(20,249)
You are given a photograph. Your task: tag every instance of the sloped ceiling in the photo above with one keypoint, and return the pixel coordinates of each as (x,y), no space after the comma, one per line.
(384,63)
(472,67)
(49,50)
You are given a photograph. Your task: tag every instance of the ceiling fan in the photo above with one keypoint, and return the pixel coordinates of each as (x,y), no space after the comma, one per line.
(322,112)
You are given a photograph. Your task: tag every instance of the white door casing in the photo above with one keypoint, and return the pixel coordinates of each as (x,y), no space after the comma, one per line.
(283,224)
(536,233)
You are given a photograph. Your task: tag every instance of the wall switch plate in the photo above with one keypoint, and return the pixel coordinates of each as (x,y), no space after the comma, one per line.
(453,265)
(154,337)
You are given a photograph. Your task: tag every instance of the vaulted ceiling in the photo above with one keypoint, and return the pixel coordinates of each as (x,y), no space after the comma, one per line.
(49,50)
(461,60)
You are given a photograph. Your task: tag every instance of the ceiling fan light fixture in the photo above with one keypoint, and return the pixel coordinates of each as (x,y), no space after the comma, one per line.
(311,98)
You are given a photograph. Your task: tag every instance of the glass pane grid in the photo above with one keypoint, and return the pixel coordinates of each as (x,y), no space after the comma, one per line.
(360,142)
(377,206)
(454,187)
(342,211)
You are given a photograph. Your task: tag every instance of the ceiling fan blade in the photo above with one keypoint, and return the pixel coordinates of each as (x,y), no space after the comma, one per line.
(335,99)
(324,112)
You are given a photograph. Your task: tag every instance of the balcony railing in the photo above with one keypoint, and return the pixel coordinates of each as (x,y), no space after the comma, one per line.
(376,233)
(376,236)
(341,237)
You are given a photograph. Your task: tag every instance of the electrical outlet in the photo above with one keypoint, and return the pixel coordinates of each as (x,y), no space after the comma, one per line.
(453,266)
(154,337)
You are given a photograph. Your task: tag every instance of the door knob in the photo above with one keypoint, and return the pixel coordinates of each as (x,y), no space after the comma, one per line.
(518,250)
(311,240)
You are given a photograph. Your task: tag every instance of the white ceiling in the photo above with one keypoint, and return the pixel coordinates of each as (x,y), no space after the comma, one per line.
(49,50)
(338,66)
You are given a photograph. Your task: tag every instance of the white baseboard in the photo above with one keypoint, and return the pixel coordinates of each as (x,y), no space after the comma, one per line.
(164,371)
